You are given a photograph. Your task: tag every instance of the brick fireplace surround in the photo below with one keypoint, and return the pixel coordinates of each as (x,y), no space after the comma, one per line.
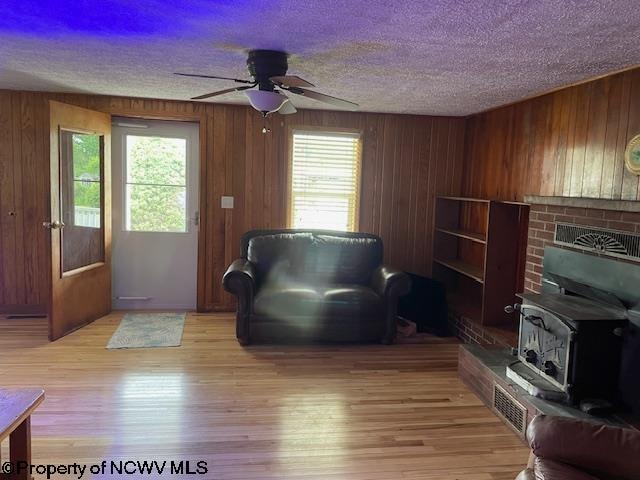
(545,213)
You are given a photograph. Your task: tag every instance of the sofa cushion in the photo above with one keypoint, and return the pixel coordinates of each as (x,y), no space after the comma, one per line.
(284,302)
(333,259)
(287,301)
(275,256)
(345,300)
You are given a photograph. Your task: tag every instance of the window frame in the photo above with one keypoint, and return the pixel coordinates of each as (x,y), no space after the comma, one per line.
(328,131)
(124,183)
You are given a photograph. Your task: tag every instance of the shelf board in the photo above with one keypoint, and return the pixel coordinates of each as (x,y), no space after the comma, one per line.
(473,236)
(463,267)
(466,199)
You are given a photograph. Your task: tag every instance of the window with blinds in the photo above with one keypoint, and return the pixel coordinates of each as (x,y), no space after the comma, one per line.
(324,180)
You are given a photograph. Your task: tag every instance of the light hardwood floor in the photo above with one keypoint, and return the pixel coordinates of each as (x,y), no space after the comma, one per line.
(263,412)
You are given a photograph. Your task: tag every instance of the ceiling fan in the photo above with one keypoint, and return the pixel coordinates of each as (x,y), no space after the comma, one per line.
(269,71)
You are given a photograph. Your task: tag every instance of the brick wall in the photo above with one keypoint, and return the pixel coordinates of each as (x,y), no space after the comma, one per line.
(542,224)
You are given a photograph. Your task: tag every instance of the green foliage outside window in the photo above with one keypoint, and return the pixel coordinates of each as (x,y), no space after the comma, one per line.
(156,184)
(86,170)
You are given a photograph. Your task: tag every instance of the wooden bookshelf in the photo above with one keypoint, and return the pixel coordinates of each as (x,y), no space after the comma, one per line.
(479,256)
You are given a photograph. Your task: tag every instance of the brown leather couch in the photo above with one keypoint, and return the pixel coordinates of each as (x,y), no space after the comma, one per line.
(568,449)
(314,285)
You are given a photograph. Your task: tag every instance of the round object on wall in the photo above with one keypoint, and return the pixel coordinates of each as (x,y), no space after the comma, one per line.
(632,155)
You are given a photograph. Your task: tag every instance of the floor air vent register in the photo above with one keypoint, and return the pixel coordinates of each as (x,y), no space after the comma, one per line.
(510,409)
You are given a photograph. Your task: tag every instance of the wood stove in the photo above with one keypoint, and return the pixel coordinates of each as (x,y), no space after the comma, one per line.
(577,340)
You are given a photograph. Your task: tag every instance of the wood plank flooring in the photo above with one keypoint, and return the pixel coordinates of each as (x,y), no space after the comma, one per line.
(264,412)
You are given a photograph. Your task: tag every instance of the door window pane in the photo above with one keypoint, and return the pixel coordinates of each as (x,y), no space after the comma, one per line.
(81,199)
(156,208)
(86,179)
(156,184)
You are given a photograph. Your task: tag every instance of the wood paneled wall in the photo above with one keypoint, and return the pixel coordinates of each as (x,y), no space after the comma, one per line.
(567,143)
(407,160)
(24,177)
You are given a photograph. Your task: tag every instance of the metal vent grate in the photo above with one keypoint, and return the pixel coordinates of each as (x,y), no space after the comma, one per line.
(597,240)
(509,409)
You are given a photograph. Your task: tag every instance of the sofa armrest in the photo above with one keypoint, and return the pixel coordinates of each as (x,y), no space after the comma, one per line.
(599,449)
(240,280)
(387,281)
(239,277)
(527,474)
(390,284)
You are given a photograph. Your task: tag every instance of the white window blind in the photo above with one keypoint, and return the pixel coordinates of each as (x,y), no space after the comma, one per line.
(325,180)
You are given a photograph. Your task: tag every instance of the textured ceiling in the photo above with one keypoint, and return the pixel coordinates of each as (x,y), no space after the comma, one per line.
(442,57)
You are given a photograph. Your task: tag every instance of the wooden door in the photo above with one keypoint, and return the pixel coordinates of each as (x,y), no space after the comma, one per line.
(80,223)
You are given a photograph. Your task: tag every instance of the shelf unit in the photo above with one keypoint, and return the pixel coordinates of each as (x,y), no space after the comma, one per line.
(479,255)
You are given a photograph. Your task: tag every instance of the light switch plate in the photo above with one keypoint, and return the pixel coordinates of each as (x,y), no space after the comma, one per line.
(226,202)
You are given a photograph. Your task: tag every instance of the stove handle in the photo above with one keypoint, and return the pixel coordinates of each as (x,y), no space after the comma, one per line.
(532,319)
(537,321)
(512,308)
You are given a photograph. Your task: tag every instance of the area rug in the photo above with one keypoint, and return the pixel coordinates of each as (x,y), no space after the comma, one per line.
(148,330)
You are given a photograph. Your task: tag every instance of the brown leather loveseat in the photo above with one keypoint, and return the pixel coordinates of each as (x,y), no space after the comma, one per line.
(314,285)
(568,449)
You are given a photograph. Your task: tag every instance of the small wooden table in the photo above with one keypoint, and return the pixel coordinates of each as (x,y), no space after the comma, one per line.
(16,407)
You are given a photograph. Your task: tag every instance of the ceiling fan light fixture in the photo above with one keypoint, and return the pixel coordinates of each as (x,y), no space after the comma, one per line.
(266,101)
(268,71)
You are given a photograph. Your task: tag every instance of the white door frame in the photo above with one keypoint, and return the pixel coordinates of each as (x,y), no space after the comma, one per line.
(136,297)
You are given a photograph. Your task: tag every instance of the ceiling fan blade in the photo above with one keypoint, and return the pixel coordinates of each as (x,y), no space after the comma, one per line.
(237,80)
(221,92)
(287,108)
(291,81)
(321,97)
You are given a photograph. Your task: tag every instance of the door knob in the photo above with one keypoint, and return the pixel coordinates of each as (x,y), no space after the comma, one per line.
(56,224)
